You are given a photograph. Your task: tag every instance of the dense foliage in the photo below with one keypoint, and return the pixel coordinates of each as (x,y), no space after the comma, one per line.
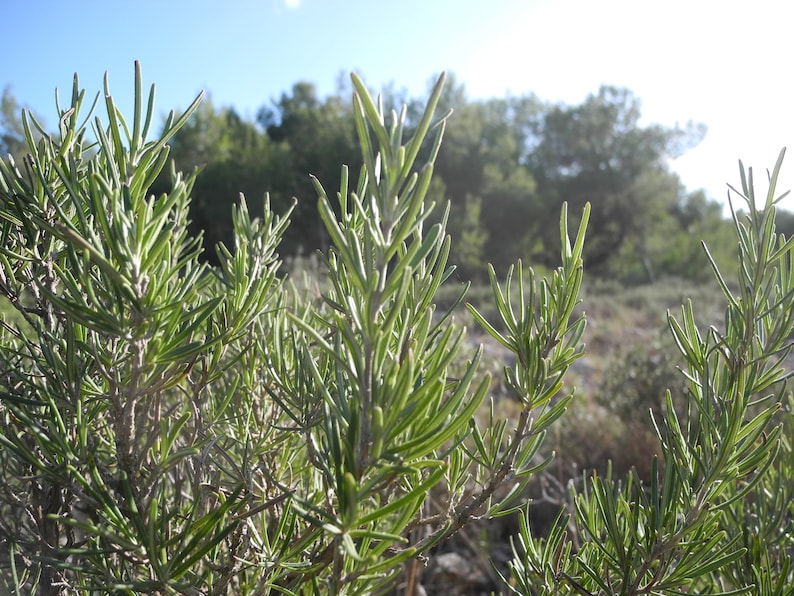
(717,515)
(168,425)
(171,427)
(508,166)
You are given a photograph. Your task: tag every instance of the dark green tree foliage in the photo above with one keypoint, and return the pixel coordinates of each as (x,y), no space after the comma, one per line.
(670,245)
(598,152)
(500,152)
(695,217)
(291,138)
(485,170)
(785,222)
(12,135)
(309,130)
(234,157)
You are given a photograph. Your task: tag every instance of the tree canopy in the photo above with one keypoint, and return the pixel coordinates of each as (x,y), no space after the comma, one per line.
(12,135)
(508,165)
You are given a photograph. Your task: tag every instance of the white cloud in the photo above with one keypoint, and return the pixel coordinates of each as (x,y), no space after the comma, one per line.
(292,4)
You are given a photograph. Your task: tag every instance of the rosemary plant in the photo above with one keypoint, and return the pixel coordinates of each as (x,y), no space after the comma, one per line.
(718,515)
(170,427)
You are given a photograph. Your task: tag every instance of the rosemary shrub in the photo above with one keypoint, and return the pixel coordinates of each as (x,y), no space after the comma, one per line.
(170,427)
(718,514)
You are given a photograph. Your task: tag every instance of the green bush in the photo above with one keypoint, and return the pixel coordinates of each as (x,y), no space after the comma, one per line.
(717,514)
(169,427)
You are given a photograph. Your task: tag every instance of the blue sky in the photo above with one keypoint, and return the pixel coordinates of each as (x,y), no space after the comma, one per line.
(724,63)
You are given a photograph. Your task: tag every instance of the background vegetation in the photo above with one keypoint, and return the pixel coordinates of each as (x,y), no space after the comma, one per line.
(508,165)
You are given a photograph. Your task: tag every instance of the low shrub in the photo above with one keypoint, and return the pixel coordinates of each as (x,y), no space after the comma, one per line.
(167,426)
(171,427)
(715,513)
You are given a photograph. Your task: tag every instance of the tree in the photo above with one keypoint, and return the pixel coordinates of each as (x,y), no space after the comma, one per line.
(597,152)
(12,135)
(483,164)
(232,156)
(698,220)
(470,236)
(785,222)
(498,150)
(309,129)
